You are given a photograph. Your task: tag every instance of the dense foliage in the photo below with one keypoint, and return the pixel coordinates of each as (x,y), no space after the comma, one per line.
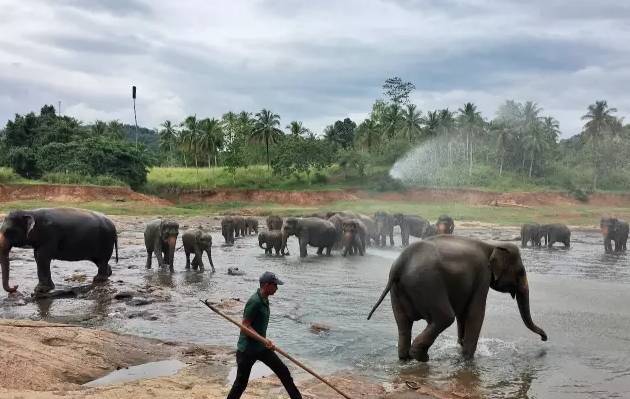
(50,145)
(439,147)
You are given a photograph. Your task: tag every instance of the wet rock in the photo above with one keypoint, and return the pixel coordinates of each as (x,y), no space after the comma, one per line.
(235,271)
(230,305)
(63,292)
(124,295)
(140,302)
(317,328)
(142,315)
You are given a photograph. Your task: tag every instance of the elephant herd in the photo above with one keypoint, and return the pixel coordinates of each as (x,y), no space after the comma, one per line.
(613,231)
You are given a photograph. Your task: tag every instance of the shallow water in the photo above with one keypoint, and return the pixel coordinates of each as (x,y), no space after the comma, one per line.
(579,296)
(139,372)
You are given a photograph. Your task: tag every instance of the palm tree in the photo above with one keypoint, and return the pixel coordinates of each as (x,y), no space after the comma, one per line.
(190,136)
(99,128)
(168,137)
(230,125)
(471,121)
(392,120)
(266,129)
(600,118)
(412,122)
(503,135)
(296,128)
(368,132)
(210,138)
(445,127)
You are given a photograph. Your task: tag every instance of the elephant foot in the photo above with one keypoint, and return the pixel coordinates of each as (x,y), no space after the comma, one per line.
(420,355)
(99,279)
(41,288)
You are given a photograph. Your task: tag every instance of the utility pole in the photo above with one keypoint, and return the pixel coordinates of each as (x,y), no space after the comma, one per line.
(59,108)
(133,94)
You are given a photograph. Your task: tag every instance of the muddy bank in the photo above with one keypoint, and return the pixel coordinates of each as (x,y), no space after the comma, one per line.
(73,193)
(43,359)
(78,193)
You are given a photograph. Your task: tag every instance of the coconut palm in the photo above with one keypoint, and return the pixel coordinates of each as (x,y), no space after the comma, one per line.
(368,133)
(210,138)
(412,122)
(296,128)
(471,122)
(168,139)
(99,128)
(190,136)
(392,120)
(266,129)
(599,120)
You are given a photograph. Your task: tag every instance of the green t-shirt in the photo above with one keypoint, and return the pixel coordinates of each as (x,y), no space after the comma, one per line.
(256,310)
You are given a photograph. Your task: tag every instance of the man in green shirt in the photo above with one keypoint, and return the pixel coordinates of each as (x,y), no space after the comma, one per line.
(249,350)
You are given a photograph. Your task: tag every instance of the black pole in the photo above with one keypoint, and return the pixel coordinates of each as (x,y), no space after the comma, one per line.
(133,94)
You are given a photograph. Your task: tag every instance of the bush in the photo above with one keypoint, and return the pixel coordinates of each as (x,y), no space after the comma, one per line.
(387,183)
(7,175)
(77,178)
(320,178)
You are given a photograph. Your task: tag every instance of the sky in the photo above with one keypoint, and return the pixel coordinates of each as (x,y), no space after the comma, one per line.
(312,61)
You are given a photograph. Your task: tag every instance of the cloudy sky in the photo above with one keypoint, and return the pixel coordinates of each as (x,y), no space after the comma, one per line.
(314,61)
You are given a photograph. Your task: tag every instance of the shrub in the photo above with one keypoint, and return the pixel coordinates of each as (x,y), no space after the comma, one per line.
(78,178)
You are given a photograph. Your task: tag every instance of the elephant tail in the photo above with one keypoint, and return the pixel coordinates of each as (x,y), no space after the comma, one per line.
(116,246)
(383,295)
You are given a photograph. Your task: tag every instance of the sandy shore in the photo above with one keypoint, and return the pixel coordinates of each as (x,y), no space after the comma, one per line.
(44,360)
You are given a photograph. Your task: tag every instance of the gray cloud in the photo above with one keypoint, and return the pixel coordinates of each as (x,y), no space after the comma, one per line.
(311,61)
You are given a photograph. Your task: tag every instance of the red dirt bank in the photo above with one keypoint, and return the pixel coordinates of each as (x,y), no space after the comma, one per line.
(77,193)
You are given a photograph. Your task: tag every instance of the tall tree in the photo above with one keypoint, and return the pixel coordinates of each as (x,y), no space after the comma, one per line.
(168,139)
(470,120)
(412,123)
(341,132)
(266,129)
(398,91)
(368,133)
(210,138)
(296,128)
(599,120)
(190,136)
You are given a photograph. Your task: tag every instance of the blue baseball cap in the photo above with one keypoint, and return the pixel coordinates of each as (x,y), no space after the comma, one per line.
(269,277)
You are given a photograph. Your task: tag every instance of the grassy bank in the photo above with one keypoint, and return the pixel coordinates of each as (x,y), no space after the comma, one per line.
(572,215)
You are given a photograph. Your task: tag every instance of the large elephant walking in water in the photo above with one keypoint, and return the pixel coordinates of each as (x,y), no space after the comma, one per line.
(160,237)
(315,232)
(447,278)
(58,233)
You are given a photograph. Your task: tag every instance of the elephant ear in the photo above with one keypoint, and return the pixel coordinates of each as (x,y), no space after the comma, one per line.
(498,262)
(30,224)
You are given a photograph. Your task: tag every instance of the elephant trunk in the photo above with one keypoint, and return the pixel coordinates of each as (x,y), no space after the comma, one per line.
(172,242)
(4,262)
(285,236)
(522,298)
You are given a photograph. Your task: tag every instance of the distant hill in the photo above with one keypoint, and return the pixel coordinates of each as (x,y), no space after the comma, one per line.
(146,136)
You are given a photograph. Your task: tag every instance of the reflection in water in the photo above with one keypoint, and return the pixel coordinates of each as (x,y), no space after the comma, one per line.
(581,283)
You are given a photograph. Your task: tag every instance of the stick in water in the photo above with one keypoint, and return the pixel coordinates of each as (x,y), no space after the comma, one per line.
(263,340)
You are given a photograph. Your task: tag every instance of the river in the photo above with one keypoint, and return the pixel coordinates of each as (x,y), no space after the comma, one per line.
(580,297)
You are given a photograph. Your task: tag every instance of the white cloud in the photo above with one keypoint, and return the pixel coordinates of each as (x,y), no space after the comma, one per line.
(310,61)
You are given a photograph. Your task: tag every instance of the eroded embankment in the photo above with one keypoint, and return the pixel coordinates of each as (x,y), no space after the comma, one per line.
(78,193)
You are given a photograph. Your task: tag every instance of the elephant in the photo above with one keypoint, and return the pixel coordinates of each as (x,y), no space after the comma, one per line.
(411,225)
(310,231)
(251,225)
(197,241)
(384,227)
(354,236)
(227,229)
(445,224)
(530,232)
(273,240)
(556,232)
(66,234)
(239,226)
(160,237)
(447,278)
(274,222)
(616,230)
(370,225)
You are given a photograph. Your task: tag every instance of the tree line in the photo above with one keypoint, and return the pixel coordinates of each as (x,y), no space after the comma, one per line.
(438,147)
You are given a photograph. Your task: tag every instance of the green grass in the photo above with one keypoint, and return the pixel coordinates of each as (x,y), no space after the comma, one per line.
(8,176)
(577,216)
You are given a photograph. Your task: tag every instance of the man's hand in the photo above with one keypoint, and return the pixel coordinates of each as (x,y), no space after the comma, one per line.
(269,345)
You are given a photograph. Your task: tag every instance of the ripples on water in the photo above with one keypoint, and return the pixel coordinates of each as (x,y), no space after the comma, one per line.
(579,296)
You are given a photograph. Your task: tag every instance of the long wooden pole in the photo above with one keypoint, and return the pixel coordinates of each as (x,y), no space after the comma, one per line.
(263,340)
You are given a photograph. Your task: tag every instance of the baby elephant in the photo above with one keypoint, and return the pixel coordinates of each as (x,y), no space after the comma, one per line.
(160,236)
(353,238)
(197,241)
(273,240)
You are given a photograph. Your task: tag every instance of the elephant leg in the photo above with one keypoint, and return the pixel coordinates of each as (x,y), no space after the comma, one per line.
(391,239)
(421,344)
(45,282)
(474,320)
(199,257)
(303,252)
(328,249)
(187,258)
(149,258)
(320,250)
(404,325)
(104,271)
(209,254)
